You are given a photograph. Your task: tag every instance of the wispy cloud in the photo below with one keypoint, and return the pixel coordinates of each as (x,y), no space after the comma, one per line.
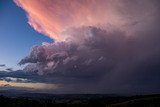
(3,67)
(40,86)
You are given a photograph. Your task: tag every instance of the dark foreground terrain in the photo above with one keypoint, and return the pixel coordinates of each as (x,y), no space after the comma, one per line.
(77,100)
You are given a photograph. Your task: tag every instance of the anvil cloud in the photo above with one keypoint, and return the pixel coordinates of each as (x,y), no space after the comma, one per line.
(51,17)
(100,46)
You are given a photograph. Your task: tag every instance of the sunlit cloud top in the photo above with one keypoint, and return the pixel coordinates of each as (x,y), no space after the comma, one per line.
(51,17)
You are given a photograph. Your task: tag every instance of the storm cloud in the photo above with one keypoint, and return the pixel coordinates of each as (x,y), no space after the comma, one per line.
(110,58)
(121,55)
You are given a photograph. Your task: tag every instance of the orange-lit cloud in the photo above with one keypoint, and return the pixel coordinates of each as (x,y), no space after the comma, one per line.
(31,85)
(51,17)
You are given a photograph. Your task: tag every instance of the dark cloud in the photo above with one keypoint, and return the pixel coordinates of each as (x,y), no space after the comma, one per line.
(68,58)
(19,80)
(2,65)
(100,61)
(104,59)
(21,76)
(9,69)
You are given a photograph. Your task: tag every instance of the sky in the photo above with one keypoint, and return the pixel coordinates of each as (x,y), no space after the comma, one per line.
(16,36)
(80,46)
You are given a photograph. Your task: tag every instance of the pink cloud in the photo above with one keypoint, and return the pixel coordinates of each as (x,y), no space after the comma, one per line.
(51,17)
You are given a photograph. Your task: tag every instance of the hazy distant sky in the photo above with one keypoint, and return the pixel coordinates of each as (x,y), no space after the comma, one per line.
(80,46)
